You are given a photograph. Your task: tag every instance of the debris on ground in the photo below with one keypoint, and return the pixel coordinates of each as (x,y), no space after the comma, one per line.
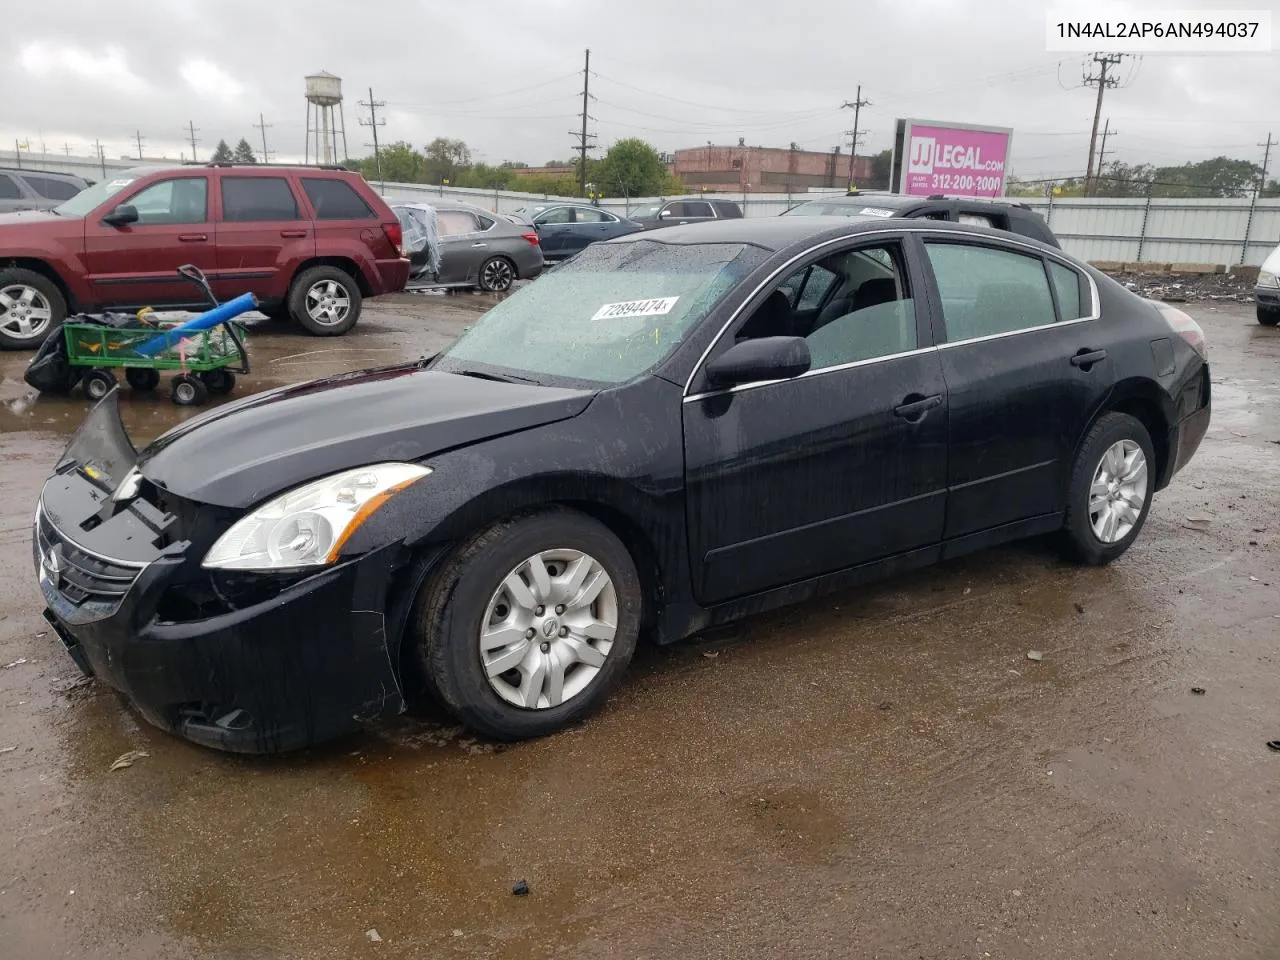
(884,705)
(711,654)
(372,934)
(17,663)
(1184,288)
(1035,655)
(128,759)
(521,888)
(66,686)
(1198,691)
(1079,608)
(8,749)
(1274,744)
(1198,523)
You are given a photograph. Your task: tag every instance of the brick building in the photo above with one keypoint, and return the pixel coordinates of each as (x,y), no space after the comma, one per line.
(744,169)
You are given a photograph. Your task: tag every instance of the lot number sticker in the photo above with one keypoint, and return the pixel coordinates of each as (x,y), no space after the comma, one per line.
(654,307)
(876,212)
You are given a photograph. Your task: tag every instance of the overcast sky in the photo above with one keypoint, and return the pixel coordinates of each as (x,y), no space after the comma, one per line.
(506,76)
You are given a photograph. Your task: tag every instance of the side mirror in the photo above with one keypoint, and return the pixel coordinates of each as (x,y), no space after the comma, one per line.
(664,214)
(125,213)
(765,358)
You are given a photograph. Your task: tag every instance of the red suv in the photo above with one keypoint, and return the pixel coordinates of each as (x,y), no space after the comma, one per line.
(310,242)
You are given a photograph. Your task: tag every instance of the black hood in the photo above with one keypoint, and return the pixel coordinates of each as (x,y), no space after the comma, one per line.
(241,453)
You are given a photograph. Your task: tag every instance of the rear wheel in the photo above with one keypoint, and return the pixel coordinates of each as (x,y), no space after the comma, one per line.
(141,379)
(31,308)
(1268,316)
(529,625)
(98,383)
(325,300)
(1110,490)
(219,381)
(497,274)
(188,391)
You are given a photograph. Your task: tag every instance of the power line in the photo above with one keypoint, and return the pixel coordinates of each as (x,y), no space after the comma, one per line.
(488,96)
(1102,80)
(583,146)
(191,127)
(373,123)
(262,126)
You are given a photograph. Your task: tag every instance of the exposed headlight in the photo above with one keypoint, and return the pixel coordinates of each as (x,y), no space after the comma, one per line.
(307,526)
(1266,279)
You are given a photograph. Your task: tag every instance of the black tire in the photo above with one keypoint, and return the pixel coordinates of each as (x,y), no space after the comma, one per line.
(344,282)
(1081,540)
(98,383)
(448,611)
(1268,316)
(10,336)
(141,379)
(496,275)
(188,391)
(219,382)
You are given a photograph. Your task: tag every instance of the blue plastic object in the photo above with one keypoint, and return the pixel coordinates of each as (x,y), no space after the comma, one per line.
(210,318)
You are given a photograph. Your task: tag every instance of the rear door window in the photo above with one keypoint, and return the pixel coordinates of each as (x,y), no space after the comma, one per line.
(697,208)
(250,199)
(335,199)
(52,189)
(8,188)
(987,291)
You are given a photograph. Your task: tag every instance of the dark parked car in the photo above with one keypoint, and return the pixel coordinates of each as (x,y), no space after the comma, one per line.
(477,248)
(674,213)
(566,228)
(670,431)
(978,211)
(36,189)
(310,242)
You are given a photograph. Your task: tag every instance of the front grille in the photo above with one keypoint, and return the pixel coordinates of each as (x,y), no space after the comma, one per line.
(78,575)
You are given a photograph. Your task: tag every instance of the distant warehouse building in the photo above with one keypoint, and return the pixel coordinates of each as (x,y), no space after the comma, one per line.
(744,169)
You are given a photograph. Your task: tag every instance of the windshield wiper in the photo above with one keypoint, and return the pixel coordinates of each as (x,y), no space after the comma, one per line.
(498,378)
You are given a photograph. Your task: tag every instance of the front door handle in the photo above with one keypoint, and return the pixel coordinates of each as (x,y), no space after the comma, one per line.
(479,246)
(193,237)
(915,407)
(1086,358)
(294,234)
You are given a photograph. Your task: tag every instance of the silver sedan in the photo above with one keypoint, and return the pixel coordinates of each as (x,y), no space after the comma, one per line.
(477,248)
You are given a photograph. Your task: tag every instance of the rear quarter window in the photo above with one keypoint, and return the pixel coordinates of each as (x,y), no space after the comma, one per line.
(335,199)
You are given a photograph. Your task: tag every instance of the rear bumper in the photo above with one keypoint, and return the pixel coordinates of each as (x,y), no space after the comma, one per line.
(1185,437)
(389,276)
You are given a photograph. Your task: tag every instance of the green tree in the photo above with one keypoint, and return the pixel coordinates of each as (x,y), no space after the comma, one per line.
(444,157)
(222,153)
(881,171)
(548,184)
(400,164)
(244,152)
(483,176)
(631,168)
(1219,177)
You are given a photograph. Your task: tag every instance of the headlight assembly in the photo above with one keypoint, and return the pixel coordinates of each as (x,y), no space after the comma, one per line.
(307,526)
(1266,279)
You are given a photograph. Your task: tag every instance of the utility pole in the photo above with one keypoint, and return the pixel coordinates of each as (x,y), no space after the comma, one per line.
(857,105)
(191,127)
(583,146)
(1266,162)
(1102,148)
(138,136)
(102,158)
(373,123)
(17,152)
(66,148)
(1102,79)
(262,128)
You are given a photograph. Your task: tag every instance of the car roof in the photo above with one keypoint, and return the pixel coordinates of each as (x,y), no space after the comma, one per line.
(898,201)
(41,173)
(777,233)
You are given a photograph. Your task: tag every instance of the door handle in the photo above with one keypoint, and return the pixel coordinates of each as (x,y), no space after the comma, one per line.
(1086,358)
(482,246)
(193,237)
(293,233)
(915,407)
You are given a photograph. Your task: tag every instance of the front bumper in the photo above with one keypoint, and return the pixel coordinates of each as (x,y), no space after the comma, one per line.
(1267,297)
(298,667)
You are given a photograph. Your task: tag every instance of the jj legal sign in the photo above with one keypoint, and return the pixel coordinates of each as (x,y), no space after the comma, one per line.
(951,158)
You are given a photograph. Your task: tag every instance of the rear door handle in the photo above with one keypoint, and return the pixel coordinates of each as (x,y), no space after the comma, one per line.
(915,407)
(480,245)
(193,237)
(293,233)
(1087,358)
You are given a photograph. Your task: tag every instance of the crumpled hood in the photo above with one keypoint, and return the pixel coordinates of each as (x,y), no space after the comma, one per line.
(241,453)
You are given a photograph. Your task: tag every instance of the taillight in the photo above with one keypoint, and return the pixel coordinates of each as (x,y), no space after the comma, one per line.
(1184,327)
(395,233)
(532,238)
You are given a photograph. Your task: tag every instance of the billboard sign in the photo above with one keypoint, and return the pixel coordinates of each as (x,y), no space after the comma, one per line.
(950,158)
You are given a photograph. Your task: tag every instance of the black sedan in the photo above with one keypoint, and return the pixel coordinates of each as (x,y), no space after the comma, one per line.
(671,431)
(566,228)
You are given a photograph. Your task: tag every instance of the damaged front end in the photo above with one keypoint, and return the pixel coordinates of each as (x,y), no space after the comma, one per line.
(240,661)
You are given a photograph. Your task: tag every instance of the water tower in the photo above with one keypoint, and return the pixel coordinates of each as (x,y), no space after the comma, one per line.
(324,123)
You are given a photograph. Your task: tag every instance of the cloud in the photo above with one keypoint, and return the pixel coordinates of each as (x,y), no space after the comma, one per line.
(52,59)
(210,81)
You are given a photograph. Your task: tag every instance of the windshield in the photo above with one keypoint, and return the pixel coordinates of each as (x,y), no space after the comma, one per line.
(90,197)
(841,208)
(611,313)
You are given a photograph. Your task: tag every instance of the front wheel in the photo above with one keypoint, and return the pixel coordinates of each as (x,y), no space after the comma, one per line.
(98,383)
(31,308)
(497,274)
(188,391)
(529,625)
(326,301)
(1110,490)
(1268,316)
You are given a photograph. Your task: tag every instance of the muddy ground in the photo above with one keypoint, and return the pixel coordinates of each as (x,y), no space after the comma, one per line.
(880,774)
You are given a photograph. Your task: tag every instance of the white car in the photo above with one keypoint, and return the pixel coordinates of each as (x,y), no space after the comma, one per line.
(1267,291)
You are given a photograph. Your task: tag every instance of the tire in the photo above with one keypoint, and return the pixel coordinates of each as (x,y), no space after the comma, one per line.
(219,382)
(98,383)
(1268,316)
(1112,432)
(496,275)
(316,301)
(188,391)
(461,594)
(141,379)
(31,308)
